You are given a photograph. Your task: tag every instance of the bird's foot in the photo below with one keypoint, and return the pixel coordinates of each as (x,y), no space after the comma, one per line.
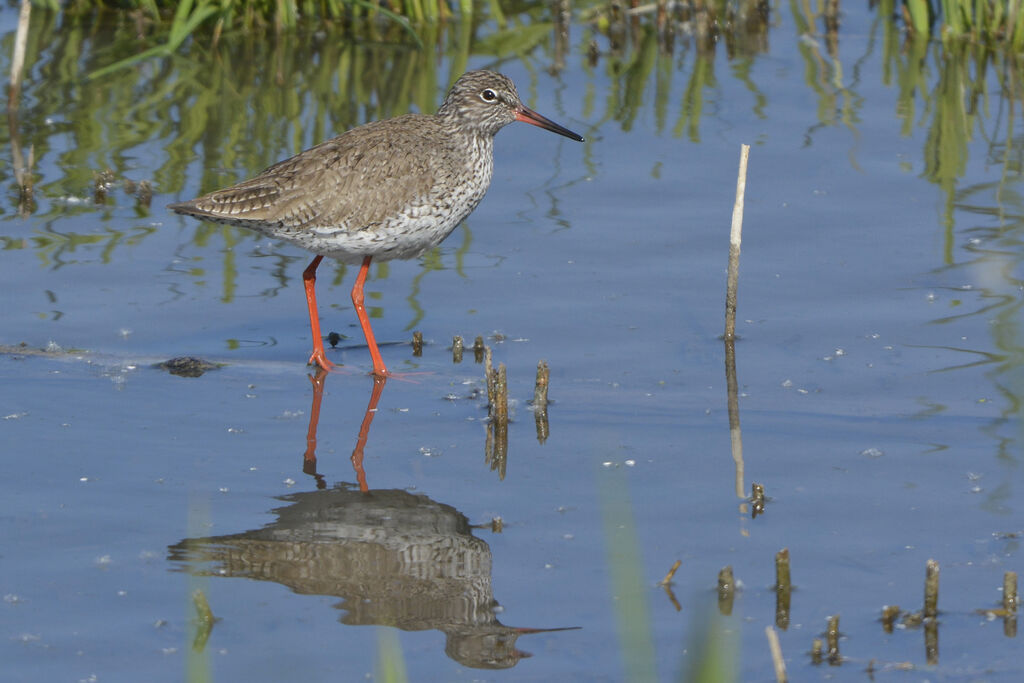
(399,376)
(319,358)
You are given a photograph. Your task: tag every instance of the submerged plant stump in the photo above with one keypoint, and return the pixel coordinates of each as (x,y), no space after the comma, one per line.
(726,591)
(832,638)
(783,589)
(540,402)
(496,445)
(889,614)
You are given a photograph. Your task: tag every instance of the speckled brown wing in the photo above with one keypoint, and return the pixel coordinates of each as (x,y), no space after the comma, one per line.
(351,182)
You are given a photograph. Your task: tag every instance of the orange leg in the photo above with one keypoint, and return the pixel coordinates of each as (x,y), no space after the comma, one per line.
(364,432)
(309,280)
(364,320)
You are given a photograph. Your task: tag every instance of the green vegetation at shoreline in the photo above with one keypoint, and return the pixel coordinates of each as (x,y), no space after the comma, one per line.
(997,23)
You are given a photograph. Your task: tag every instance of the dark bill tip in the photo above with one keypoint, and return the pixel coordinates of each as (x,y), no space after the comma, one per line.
(527,115)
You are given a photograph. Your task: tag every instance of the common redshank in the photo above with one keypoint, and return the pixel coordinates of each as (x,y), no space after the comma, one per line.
(389,189)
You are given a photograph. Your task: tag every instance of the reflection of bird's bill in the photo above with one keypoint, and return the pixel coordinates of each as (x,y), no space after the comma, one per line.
(522,629)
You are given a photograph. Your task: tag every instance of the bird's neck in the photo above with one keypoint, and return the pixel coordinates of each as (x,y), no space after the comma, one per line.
(457,125)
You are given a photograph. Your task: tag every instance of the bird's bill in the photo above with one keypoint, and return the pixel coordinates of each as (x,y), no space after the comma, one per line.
(527,115)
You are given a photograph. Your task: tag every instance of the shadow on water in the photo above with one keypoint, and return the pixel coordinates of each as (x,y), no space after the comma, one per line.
(394,558)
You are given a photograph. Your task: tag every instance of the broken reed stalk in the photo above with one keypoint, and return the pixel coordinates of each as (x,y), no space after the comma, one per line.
(816,651)
(540,402)
(478,349)
(889,614)
(540,389)
(735,238)
(756,499)
(142,190)
(497,389)
(832,638)
(1010,603)
(671,572)
(672,597)
(496,442)
(777,661)
(783,589)
(457,348)
(666,584)
(144,193)
(103,181)
(1010,599)
(22,168)
(726,591)
(931,641)
(540,420)
(496,446)
(500,412)
(18,55)
(782,579)
(417,344)
(931,590)
(733,401)
(489,376)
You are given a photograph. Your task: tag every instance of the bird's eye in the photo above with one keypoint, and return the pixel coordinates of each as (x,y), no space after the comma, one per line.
(488,95)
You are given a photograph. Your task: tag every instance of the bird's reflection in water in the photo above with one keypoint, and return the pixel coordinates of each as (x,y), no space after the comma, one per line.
(394,558)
